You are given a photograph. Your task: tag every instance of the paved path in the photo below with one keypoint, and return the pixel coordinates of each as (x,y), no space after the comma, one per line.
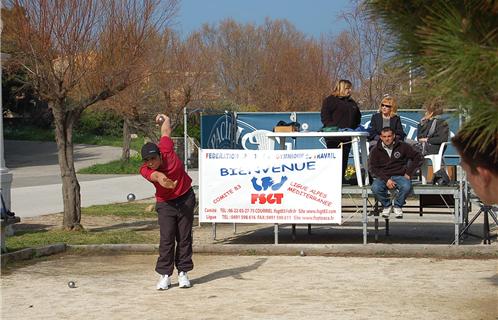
(37,188)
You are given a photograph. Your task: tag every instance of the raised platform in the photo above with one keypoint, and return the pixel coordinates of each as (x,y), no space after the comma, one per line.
(456,192)
(453,197)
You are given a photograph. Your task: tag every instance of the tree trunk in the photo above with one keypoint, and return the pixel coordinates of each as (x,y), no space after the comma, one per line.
(64,122)
(125,154)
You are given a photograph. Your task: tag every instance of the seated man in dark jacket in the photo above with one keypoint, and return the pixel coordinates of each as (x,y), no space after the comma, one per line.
(393,163)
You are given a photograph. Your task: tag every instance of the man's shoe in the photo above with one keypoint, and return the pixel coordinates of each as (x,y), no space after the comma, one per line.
(183,281)
(398,212)
(164,282)
(386,212)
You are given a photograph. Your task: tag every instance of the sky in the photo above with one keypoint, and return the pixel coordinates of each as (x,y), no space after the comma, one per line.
(312,17)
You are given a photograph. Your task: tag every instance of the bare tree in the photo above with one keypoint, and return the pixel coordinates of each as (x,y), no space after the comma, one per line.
(186,77)
(366,44)
(295,72)
(139,103)
(77,53)
(282,70)
(272,67)
(177,73)
(236,49)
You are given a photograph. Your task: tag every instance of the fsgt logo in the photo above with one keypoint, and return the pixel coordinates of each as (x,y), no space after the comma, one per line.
(271,198)
(265,184)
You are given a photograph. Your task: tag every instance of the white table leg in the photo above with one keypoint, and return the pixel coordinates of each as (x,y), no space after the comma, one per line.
(356,157)
(364,158)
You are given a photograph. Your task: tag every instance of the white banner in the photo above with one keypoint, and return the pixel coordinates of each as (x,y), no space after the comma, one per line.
(270,186)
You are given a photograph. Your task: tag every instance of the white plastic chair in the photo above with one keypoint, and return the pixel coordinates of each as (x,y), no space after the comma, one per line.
(259,138)
(436,160)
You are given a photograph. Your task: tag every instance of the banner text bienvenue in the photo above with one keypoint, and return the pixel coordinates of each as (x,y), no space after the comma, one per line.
(270,186)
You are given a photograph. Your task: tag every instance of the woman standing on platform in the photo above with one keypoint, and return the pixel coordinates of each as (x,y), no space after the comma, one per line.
(386,117)
(340,111)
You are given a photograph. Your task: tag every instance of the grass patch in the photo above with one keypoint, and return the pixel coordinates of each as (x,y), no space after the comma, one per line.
(115,167)
(130,209)
(26,132)
(40,238)
(85,138)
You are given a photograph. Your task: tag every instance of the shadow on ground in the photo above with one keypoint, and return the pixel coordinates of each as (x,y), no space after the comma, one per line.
(135,225)
(352,233)
(235,273)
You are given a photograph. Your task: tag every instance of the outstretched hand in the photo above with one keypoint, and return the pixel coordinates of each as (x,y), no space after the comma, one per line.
(167,183)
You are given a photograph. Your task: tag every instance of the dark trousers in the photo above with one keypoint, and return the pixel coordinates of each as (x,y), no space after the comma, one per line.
(175,218)
(346,148)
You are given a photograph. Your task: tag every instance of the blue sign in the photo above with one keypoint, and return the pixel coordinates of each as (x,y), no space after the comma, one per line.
(217,131)
(226,131)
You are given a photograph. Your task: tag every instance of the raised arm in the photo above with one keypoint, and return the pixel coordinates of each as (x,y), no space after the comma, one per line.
(165,123)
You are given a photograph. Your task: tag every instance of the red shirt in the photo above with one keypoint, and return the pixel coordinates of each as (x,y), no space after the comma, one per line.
(173,168)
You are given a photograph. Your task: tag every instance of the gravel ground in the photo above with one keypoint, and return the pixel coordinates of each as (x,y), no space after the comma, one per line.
(253,287)
(258,285)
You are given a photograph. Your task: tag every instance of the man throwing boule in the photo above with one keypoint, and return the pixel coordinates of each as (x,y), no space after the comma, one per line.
(175,203)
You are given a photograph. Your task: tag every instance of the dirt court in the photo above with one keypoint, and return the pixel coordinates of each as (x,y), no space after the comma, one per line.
(120,286)
(253,287)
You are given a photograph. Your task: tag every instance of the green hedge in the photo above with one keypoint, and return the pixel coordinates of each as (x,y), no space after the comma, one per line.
(100,123)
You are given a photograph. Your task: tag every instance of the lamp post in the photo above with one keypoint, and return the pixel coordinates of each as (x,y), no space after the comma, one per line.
(185,138)
(5,174)
(186,113)
(410,77)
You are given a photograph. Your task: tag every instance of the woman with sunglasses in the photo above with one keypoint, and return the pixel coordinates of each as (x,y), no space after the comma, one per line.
(386,117)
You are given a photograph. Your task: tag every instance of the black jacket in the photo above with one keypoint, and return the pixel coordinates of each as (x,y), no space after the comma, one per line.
(341,112)
(383,167)
(376,126)
(440,135)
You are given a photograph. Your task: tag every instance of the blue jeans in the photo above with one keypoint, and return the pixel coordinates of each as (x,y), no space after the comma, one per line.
(402,190)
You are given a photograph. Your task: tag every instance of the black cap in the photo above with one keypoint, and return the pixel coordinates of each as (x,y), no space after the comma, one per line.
(148,150)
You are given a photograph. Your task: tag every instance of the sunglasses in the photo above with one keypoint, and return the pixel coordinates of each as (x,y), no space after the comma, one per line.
(386,105)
